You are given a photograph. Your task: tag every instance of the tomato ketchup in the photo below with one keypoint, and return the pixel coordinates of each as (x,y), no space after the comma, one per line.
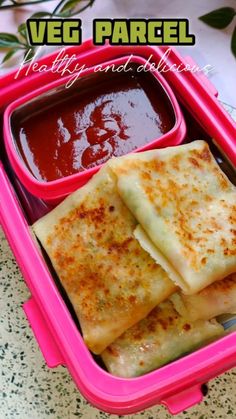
(78,128)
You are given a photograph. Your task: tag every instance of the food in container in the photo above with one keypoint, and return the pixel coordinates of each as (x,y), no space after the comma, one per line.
(217,299)
(177,385)
(186,207)
(98,253)
(161,337)
(175,327)
(102,267)
(105,115)
(57,138)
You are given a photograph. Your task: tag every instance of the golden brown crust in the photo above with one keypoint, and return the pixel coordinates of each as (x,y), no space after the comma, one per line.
(193,205)
(111,281)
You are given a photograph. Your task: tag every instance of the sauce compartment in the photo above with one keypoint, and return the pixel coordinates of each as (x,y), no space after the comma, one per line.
(104,115)
(56,139)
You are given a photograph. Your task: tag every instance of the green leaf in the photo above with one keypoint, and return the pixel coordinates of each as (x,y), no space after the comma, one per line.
(219,18)
(22,30)
(21,27)
(39,15)
(70,4)
(29,53)
(7,40)
(233,42)
(70,8)
(8,55)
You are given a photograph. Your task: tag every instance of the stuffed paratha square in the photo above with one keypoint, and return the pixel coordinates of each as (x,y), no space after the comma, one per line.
(161,337)
(111,281)
(186,208)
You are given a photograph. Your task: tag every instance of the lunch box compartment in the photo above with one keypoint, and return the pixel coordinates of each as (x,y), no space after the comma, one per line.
(56,189)
(177,385)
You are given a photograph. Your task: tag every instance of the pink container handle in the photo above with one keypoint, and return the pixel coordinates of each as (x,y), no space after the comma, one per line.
(183,400)
(47,344)
(202,77)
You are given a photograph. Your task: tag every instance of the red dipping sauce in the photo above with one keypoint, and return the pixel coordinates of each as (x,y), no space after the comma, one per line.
(104,115)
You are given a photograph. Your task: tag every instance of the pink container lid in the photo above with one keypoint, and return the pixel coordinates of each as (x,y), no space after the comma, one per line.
(57,189)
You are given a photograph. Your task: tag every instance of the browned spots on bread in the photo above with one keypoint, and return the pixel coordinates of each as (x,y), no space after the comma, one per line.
(186,327)
(194,162)
(113,351)
(204,261)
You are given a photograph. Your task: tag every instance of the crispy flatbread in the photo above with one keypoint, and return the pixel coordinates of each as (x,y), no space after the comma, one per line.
(186,208)
(111,281)
(161,337)
(217,299)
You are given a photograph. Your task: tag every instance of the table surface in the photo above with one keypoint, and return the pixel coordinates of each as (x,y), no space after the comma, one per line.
(29,390)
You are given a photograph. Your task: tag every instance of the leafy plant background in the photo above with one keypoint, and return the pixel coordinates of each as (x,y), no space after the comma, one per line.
(220,19)
(13,43)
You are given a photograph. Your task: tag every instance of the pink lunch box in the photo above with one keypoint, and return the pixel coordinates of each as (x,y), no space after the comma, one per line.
(177,385)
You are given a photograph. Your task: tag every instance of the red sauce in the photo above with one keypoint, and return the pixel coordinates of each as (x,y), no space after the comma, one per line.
(78,128)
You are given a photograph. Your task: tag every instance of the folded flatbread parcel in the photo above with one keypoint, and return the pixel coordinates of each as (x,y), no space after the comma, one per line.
(143,225)
(186,208)
(161,337)
(175,327)
(216,299)
(110,280)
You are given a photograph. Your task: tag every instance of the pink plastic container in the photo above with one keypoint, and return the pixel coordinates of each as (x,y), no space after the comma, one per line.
(57,189)
(177,385)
